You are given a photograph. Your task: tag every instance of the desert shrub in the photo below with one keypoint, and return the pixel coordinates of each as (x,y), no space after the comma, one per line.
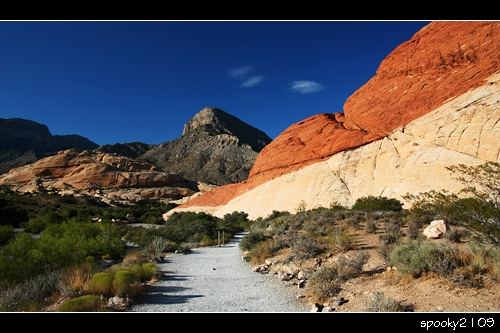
(336,206)
(74,280)
(353,222)
(467,277)
(259,225)
(478,211)
(20,260)
(102,284)
(454,235)
(417,257)
(133,258)
(124,283)
(86,303)
(234,222)
(260,252)
(391,232)
(187,247)
(324,283)
(143,272)
(156,246)
(350,267)
(305,247)
(279,228)
(275,214)
(29,295)
(207,241)
(6,233)
(182,227)
(495,254)
(342,240)
(372,204)
(381,303)
(318,227)
(45,218)
(371,226)
(413,230)
(251,239)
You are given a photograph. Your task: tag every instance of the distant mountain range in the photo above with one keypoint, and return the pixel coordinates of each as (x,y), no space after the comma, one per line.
(215,149)
(24,141)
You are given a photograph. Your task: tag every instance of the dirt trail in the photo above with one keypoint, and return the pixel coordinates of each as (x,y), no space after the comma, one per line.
(215,279)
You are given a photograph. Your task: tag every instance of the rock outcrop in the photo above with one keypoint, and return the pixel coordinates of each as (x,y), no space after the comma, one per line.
(112,178)
(215,148)
(433,103)
(24,141)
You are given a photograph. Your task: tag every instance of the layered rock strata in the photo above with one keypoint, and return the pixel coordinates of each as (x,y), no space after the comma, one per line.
(433,103)
(99,174)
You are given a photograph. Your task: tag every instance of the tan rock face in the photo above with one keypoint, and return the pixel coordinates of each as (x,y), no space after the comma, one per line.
(433,103)
(76,170)
(442,61)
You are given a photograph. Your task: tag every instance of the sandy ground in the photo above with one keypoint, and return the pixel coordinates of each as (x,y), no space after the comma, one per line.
(216,279)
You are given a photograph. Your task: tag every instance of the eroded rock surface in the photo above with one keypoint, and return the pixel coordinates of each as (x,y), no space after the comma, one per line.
(433,103)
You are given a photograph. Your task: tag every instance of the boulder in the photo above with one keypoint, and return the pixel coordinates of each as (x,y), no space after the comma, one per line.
(435,230)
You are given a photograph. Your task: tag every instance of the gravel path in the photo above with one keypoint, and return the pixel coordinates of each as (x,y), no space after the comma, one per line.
(216,279)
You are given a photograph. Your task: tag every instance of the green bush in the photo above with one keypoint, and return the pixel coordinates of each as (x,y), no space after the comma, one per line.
(251,239)
(373,204)
(144,272)
(417,257)
(124,283)
(189,227)
(6,233)
(102,284)
(86,303)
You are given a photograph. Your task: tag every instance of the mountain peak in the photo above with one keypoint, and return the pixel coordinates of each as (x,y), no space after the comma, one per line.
(216,121)
(209,116)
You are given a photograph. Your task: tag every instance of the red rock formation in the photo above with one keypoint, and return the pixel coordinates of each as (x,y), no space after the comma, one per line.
(87,169)
(307,142)
(441,61)
(303,143)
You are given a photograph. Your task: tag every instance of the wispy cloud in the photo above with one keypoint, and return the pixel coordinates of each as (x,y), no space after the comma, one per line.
(305,87)
(240,72)
(253,81)
(243,74)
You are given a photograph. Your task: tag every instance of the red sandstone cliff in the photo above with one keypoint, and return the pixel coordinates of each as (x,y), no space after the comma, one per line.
(440,62)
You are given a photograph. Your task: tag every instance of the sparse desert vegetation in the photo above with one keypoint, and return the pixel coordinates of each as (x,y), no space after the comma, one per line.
(55,256)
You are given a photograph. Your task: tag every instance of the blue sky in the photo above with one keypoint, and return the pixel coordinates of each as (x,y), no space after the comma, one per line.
(126,81)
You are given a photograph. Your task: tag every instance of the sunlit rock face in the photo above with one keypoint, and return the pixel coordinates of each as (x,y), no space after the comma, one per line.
(433,103)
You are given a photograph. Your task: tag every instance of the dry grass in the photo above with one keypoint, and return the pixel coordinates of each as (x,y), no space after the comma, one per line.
(74,280)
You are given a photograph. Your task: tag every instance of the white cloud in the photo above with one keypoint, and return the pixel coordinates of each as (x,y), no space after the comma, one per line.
(253,81)
(240,72)
(305,87)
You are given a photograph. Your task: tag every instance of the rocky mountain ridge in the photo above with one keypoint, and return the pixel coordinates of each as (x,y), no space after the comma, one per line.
(433,103)
(24,141)
(215,148)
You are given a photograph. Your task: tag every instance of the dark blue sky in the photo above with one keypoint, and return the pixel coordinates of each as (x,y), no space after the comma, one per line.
(125,81)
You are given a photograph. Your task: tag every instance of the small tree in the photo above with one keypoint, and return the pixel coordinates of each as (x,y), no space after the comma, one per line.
(482,209)
(476,207)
